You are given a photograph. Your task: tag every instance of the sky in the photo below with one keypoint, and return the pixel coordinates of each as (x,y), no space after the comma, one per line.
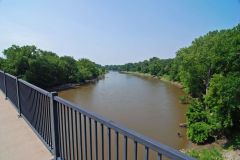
(113,31)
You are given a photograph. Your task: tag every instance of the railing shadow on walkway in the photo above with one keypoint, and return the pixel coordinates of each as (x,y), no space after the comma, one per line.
(71,132)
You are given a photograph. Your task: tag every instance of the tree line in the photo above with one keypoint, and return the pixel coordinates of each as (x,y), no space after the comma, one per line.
(46,69)
(209,70)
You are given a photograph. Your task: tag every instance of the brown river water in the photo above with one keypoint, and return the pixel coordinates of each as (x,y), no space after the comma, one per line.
(144,104)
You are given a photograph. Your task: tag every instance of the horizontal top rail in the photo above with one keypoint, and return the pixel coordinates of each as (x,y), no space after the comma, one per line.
(42,114)
(148,142)
(11,76)
(46,93)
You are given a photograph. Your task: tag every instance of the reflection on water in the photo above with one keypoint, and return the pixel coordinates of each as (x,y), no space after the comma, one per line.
(146,105)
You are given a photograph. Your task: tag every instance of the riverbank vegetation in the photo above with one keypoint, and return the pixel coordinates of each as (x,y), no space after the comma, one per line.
(213,154)
(209,70)
(46,69)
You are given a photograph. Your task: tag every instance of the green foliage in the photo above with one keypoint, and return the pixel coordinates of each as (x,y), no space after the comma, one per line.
(223,101)
(234,142)
(46,69)
(218,111)
(194,153)
(16,61)
(42,72)
(206,154)
(69,67)
(153,66)
(214,53)
(86,70)
(185,99)
(209,70)
(199,132)
(196,112)
(2,61)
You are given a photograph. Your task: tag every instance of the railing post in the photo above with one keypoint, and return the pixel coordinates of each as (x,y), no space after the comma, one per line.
(18,98)
(5,86)
(54,126)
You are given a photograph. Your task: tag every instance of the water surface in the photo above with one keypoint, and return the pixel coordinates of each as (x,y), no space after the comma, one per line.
(146,105)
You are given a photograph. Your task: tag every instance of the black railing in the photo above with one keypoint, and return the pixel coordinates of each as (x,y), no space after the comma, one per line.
(71,132)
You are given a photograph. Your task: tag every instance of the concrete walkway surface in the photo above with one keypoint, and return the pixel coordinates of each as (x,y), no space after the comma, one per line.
(17,140)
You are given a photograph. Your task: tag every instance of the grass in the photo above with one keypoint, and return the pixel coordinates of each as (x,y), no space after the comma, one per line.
(206,154)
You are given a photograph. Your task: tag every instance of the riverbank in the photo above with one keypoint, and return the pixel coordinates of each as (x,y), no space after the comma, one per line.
(228,149)
(74,85)
(177,84)
(224,147)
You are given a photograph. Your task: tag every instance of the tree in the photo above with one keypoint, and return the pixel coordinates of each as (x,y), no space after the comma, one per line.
(17,59)
(87,70)
(43,72)
(45,68)
(223,101)
(68,68)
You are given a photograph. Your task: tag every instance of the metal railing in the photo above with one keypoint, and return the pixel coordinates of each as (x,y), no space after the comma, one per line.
(71,132)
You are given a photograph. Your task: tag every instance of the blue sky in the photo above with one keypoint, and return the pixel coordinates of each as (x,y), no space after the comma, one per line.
(111,31)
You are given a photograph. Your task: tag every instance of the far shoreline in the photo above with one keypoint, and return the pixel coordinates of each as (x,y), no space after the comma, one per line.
(74,85)
(177,84)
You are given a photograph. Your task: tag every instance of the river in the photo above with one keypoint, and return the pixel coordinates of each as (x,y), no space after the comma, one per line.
(144,104)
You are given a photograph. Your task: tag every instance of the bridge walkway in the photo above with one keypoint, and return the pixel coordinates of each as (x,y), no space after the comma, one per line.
(17,140)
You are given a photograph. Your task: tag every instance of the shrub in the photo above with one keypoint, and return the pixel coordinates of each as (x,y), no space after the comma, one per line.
(199,132)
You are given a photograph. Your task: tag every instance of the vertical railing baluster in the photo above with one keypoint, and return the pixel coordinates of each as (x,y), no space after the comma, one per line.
(58,129)
(72,136)
(41,115)
(135,150)
(102,130)
(146,153)
(69,134)
(117,145)
(18,98)
(85,136)
(5,85)
(54,125)
(44,119)
(96,141)
(36,112)
(33,109)
(65,132)
(159,156)
(76,133)
(61,130)
(37,124)
(49,120)
(81,139)
(90,137)
(109,143)
(125,148)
